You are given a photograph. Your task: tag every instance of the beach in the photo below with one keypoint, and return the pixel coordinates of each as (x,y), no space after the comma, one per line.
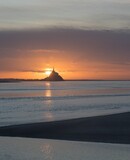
(113,128)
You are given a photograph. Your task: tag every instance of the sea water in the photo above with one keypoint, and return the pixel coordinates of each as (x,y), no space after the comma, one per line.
(29,102)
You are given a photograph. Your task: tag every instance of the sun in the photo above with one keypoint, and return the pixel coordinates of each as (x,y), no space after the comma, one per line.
(48,72)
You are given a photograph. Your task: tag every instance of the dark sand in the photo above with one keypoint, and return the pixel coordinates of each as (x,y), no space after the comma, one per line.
(109,129)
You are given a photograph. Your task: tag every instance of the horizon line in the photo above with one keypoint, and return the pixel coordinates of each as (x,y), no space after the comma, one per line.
(22,79)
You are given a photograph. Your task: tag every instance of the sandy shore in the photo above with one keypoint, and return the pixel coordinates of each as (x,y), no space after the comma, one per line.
(109,129)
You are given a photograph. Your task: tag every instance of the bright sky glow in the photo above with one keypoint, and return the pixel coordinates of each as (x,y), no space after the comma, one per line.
(47,72)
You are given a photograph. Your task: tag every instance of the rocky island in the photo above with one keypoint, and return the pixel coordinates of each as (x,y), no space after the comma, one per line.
(54,76)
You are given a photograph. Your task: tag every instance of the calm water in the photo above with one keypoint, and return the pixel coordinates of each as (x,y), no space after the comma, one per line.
(27,102)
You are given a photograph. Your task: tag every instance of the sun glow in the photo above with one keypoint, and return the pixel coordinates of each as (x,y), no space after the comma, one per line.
(48,72)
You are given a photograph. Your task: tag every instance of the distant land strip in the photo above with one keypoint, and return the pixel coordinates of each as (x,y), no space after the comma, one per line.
(12,80)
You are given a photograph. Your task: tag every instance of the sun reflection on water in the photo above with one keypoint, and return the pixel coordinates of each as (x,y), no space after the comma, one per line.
(47,150)
(48,84)
(48,94)
(49,116)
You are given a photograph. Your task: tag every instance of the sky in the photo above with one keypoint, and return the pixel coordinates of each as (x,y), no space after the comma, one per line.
(82,39)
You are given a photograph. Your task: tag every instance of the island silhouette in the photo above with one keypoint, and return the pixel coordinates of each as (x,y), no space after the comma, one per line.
(54,76)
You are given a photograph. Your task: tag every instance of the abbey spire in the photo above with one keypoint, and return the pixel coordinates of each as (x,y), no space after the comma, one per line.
(54,76)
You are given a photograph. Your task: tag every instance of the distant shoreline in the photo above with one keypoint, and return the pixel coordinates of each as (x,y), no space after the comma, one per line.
(33,80)
(113,128)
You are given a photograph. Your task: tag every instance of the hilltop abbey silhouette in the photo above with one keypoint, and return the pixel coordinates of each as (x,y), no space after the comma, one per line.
(54,76)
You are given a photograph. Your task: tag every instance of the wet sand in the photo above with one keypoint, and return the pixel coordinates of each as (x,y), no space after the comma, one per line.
(108,129)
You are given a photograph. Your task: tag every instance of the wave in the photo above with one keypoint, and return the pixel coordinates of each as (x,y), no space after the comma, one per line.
(63,97)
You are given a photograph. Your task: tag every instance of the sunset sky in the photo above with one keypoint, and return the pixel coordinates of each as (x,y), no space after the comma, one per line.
(82,39)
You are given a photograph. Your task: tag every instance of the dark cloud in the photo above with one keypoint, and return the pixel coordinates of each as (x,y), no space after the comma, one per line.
(84,45)
(43,71)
